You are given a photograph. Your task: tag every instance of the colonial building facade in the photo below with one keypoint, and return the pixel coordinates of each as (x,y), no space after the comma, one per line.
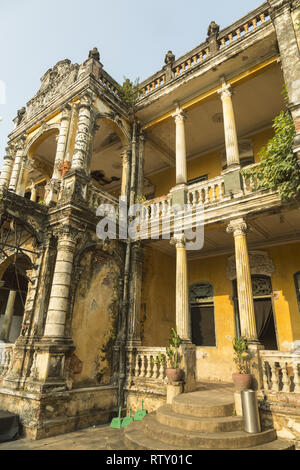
(82,318)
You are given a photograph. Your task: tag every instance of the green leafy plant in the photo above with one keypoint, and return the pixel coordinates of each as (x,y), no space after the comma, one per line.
(129,91)
(172,350)
(278,168)
(42,203)
(241,356)
(160,359)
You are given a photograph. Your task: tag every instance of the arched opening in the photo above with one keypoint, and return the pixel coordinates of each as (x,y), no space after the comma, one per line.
(263,309)
(13,292)
(106,158)
(42,156)
(202,313)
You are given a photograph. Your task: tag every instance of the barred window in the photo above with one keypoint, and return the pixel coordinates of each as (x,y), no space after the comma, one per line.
(202,314)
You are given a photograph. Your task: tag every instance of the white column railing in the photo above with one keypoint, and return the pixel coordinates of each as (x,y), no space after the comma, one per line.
(146,365)
(96,197)
(6,351)
(281,371)
(207,192)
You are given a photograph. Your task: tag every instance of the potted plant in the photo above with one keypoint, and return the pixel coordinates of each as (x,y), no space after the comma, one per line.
(173,371)
(241,379)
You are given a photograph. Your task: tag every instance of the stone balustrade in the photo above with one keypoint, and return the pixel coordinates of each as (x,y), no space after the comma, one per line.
(6,351)
(145,365)
(97,197)
(109,83)
(155,209)
(238,31)
(207,192)
(281,371)
(243,27)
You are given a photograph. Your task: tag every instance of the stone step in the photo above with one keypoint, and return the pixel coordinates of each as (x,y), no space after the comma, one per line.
(9,426)
(201,440)
(165,415)
(134,439)
(204,404)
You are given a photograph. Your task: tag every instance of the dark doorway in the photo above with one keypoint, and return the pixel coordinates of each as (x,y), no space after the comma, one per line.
(265,323)
(203,325)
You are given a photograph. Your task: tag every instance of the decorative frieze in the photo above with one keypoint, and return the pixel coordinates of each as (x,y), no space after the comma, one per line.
(260,264)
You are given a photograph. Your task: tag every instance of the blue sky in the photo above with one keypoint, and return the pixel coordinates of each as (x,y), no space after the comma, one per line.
(132,37)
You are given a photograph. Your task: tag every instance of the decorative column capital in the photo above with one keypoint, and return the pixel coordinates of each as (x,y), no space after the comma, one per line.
(66,112)
(237,227)
(21,142)
(179,115)
(225,91)
(86,99)
(179,241)
(9,155)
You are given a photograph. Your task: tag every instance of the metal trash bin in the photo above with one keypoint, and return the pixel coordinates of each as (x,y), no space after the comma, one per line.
(250,412)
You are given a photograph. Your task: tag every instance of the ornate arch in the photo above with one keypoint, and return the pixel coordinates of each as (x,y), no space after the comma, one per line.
(45,130)
(118,125)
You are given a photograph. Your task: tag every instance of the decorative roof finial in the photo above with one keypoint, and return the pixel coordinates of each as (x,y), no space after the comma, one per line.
(169,58)
(94,54)
(213,29)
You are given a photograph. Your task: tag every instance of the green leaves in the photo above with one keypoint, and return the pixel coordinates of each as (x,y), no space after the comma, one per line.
(278,169)
(241,356)
(174,357)
(129,91)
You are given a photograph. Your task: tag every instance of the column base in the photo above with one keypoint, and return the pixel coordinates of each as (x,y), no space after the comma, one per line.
(254,346)
(233,180)
(179,195)
(188,364)
(173,389)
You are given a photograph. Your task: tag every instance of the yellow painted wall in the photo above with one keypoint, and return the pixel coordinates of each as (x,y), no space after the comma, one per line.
(158,298)
(286,259)
(209,164)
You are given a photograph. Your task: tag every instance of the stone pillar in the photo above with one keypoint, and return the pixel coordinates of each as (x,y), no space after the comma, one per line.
(33,192)
(17,165)
(281,16)
(62,141)
(181,170)
(232,177)
(6,169)
(59,297)
(140,178)
(23,176)
(182,295)
(125,155)
(4,335)
(72,132)
(244,284)
(81,147)
(134,311)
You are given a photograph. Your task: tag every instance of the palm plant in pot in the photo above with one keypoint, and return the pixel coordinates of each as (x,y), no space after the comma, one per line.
(173,371)
(241,379)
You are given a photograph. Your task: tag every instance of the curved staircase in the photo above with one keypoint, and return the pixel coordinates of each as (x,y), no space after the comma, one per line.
(198,420)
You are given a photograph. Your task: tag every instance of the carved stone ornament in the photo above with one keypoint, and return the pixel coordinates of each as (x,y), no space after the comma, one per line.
(94,54)
(213,29)
(260,264)
(169,58)
(201,291)
(64,168)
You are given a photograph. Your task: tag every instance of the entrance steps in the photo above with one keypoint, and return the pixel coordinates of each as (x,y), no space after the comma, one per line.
(199,420)
(9,426)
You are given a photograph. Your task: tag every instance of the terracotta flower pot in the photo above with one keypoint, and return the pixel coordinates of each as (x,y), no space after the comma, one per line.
(175,375)
(242,381)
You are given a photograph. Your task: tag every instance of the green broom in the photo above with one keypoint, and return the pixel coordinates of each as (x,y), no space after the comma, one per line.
(116,423)
(127,420)
(140,414)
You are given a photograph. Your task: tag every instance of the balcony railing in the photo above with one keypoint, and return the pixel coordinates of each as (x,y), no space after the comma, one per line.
(281,371)
(97,197)
(235,33)
(207,192)
(146,365)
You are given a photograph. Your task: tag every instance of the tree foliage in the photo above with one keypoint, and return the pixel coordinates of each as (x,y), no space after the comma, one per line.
(278,168)
(129,91)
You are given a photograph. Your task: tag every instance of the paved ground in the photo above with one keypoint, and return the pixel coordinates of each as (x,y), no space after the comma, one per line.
(94,438)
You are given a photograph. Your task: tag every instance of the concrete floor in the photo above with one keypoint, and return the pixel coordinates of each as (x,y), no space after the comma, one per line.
(94,438)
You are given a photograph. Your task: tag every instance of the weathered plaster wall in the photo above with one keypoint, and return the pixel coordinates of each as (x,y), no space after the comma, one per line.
(158,297)
(94,320)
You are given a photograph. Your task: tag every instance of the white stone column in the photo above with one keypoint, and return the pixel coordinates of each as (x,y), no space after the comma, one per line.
(33,194)
(62,141)
(81,147)
(244,283)
(182,294)
(125,172)
(9,311)
(181,167)
(23,176)
(59,297)
(17,165)
(6,169)
(231,140)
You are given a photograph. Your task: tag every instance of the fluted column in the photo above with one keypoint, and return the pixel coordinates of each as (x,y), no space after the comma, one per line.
(23,176)
(33,195)
(134,311)
(231,140)
(81,147)
(140,178)
(125,172)
(182,296)
(62,141)
(17,165)
(6,169)
(244,284)
(59,297)
(9,311)
(181,169)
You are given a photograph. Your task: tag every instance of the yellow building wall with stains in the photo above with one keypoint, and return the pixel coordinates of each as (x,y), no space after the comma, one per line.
(158,304)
